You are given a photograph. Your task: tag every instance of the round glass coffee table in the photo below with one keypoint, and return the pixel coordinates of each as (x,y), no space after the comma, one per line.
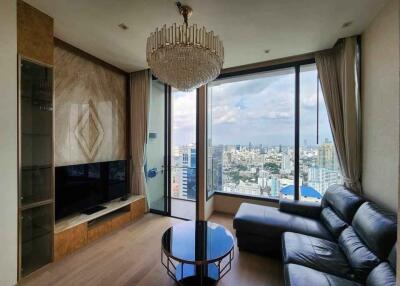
(197,252)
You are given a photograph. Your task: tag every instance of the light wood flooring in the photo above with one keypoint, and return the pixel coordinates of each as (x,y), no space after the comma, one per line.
(131,256)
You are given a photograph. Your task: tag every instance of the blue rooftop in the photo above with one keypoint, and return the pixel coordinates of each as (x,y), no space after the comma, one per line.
(305,191)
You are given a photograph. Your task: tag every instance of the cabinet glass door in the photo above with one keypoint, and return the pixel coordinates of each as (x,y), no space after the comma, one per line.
(36,238)
(36,108)
(36,205)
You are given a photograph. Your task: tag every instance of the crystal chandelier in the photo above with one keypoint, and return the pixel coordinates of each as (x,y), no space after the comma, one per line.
(183,56)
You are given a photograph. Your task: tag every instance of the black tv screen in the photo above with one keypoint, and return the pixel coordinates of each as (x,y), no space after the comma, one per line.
(80,187)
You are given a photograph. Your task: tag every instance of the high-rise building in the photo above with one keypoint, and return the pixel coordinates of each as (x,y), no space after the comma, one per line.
(321,178)
(217,161)
(286,165)
(275,186)
(326,155)
(187,172)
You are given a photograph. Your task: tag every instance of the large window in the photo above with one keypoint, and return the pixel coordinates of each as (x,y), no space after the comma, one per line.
(319,167)
(252,136)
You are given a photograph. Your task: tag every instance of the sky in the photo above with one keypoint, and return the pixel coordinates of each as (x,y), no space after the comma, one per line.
(257,110)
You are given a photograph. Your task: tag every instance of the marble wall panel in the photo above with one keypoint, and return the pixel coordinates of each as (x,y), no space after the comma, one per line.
(90,109)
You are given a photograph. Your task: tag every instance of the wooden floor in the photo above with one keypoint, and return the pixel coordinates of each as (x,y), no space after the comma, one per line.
(131,256)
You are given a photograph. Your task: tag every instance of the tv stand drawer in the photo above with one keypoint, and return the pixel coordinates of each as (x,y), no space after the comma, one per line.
(107,224)
(69,240)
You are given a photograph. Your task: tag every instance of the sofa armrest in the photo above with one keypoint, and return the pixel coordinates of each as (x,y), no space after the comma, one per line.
(307,209)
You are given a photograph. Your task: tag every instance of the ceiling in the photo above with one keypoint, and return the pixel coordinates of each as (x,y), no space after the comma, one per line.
(247,27)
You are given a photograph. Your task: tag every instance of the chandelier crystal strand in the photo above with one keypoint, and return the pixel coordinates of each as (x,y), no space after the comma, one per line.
(184,56)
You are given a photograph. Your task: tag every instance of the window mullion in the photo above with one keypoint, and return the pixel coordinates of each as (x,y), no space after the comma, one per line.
(297,134)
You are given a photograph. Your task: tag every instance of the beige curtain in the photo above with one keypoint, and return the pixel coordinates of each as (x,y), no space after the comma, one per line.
(139,100)
(338,72)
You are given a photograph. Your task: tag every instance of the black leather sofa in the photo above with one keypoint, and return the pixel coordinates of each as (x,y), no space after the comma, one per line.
(345,240)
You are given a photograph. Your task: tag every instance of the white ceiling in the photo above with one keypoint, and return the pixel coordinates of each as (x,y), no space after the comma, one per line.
(247,27)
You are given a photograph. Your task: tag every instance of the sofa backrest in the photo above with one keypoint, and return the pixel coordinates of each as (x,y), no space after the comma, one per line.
(344,202)
(339,206)
(368,241)
(377,228)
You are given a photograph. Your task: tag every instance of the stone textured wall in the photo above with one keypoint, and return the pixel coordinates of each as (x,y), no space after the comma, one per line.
(90,109)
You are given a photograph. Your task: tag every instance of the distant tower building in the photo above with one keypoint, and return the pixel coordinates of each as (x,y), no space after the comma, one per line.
(275,186)
(187,164)
(326,155)
(263,182)
(229,157)
(321,178)
(217,164)
(286,165)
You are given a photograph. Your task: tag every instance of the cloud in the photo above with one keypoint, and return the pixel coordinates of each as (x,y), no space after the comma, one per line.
(183,119)
(257,110)
(183,110)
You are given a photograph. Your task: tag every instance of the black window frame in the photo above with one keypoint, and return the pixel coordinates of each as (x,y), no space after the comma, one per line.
(296,65)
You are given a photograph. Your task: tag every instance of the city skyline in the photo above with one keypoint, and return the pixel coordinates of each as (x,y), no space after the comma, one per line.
(256,170)
(251,136)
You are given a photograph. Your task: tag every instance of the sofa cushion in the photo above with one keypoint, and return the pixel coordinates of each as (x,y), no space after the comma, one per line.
(298,275)
(376,227)
(383,274)
(332,222)
(301,208)
(319,254)
(360,258)
(270,222)
(343,201)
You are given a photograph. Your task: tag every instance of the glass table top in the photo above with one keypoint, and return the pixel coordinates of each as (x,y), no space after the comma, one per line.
(197,242)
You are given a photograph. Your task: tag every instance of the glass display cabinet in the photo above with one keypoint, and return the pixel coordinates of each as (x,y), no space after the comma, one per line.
(36,171)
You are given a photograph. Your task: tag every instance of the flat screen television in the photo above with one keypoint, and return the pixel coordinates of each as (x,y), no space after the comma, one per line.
(81,187)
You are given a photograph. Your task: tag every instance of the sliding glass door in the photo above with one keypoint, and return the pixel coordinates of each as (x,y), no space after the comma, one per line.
(155,168)
(171,163)
(183,180)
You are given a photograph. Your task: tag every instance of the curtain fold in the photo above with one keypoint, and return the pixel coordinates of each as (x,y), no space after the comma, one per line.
(139,111)
(338,72)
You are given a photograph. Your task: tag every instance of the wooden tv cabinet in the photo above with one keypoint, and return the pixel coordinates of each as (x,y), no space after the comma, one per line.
(76,231)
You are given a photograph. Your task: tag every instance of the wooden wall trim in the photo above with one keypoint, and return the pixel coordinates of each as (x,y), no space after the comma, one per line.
(297,58)
(34,34)
(60,43)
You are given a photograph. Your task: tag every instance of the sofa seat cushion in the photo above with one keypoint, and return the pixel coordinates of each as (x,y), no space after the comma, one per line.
(319,254)
(383,274)
(298,275)
(360,258)
(270,222)
(332,222)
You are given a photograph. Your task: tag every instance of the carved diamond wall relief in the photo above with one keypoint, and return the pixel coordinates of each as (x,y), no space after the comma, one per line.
(89,132)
